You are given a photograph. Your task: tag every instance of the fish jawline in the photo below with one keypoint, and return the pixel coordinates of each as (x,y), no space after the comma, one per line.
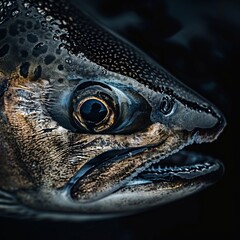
(176,165)
(181,166)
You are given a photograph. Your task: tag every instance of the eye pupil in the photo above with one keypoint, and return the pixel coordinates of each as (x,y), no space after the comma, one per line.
(166,105)
(93,111)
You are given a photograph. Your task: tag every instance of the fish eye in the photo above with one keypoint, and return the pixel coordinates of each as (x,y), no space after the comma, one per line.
(167,105)
(96,107)
(94,114)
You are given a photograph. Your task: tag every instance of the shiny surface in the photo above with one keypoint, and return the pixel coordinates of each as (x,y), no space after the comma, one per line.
(93,111)
(67,166)
(200,214)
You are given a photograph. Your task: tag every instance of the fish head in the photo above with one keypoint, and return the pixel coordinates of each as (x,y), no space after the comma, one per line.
(90,126)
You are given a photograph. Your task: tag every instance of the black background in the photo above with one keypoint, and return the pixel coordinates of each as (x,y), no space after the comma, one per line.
(198,42)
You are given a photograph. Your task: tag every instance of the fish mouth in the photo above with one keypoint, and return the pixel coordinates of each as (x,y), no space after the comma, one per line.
(177,166)
(185,166)
(163,161)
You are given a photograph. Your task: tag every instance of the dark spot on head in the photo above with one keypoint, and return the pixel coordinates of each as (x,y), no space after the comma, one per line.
(4,50)
(37,25)
(24,69)
(39,49)
(16,28)
(37,73)
(3,33)
(21,40)
(60,80)
(49,59)
(29,24)
(58,51)
(24,53)
(32,38)
(60,67)
(13,30)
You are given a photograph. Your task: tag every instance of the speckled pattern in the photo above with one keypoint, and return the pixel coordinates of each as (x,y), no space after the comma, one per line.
(38,32)
(51,58)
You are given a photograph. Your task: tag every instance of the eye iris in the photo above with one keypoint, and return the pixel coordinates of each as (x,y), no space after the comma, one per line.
(93,111)
(166,105)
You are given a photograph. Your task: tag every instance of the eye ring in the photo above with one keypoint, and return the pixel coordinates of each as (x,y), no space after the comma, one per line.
(167,105)
(99,108)
(90,106)
(94,113)
(93,110)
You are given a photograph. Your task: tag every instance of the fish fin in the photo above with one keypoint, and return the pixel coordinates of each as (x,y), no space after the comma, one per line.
(11,207)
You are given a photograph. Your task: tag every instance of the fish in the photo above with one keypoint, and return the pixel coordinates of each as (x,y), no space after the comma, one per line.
(91,127)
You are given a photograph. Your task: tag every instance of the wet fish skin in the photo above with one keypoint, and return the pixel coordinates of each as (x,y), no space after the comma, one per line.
(49,52)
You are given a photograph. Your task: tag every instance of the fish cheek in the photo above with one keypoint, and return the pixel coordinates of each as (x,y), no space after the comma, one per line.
(12,174)
(44,146)
(110,175)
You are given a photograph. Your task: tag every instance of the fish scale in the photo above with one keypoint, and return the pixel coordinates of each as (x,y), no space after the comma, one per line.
(58,159)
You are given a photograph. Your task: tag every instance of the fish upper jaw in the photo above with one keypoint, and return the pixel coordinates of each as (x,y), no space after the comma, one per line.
(211,134)
(191,113)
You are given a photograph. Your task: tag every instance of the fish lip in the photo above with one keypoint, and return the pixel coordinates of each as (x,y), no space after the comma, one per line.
(211,134)
(100,159)
(211,175)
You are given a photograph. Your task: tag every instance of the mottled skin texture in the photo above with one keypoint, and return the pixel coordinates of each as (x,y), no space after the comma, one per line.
(51,53)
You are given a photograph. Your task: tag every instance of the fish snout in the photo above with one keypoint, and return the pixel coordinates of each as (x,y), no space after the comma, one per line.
(214,124)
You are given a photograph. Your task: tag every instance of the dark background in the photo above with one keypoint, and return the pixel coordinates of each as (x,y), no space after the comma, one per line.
(198,42)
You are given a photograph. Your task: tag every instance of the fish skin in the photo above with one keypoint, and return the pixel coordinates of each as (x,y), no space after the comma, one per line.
(48,48)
